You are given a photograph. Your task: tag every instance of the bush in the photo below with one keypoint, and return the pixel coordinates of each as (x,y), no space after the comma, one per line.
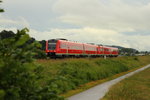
(2,94)
(19,76)
(68,74)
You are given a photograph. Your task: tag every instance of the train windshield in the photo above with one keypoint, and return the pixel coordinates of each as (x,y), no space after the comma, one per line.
(52,44)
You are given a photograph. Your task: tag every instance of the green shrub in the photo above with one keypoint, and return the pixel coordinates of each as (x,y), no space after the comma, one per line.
(19,76)
(76,72)
(2,94)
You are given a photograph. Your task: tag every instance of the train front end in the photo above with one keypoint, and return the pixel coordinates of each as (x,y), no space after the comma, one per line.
(51,47)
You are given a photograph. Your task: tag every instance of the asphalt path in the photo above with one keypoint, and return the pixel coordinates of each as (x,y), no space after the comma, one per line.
(99,91)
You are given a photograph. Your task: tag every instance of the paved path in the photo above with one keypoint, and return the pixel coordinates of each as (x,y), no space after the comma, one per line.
(97,92)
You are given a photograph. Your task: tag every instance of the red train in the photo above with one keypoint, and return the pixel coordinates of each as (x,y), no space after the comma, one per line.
(64,48)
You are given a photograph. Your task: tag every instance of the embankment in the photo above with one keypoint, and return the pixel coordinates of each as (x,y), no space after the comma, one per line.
(70,74)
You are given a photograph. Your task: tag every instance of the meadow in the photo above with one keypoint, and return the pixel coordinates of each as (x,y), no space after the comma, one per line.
(64,75)
(137,87)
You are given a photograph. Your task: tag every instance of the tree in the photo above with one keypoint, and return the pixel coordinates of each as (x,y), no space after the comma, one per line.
(1,10)
(40,51)
(19,77)
(6,34)
(43,43)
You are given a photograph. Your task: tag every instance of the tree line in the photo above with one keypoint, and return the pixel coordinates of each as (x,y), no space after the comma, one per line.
(40,50)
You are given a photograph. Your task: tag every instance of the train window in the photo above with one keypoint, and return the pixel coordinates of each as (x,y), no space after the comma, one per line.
(101,49)
(106,49)
(91,48)
(63,45)
(51,46)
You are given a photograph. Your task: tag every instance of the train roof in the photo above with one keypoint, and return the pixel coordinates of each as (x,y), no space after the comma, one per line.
(110,47)
(61,39)
(58,39)
(92,44)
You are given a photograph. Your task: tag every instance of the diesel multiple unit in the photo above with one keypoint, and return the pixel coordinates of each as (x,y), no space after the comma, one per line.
(65,48)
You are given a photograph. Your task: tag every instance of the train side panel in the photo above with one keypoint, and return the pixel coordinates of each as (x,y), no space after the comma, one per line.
(75,48)
(67,48)
(100,50)
(90,50)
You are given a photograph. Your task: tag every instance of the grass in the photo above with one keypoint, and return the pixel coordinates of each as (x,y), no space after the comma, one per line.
(70,76)
(86,86)
(137,87)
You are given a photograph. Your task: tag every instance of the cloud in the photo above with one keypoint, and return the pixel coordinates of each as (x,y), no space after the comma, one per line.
(93,35)
(112,22)
(119,15)
(8,22)
(37,12)
(97,36)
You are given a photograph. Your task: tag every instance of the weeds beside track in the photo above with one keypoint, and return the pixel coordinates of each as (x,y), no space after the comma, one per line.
(69,74)
(136,87)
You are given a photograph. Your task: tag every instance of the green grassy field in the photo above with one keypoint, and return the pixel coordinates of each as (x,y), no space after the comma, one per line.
(136,87)
(71,74)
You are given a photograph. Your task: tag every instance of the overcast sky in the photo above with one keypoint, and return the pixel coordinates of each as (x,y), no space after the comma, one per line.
(112,22)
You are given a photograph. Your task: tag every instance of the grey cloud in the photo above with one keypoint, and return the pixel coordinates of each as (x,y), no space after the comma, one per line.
(116,22)
(38,12)
(18,22)
(114,14)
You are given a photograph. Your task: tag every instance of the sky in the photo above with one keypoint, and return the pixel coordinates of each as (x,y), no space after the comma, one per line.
(109,22)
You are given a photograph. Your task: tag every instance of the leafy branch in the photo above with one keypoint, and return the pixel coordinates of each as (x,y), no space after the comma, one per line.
(1,10)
